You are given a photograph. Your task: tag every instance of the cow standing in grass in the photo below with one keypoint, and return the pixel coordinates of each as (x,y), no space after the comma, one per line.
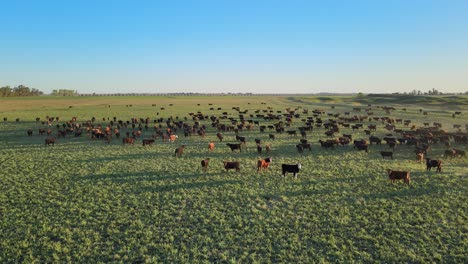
(399,175)
(179,151)
(263,164)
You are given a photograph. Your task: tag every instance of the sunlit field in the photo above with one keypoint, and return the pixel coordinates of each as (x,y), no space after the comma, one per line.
(88,200)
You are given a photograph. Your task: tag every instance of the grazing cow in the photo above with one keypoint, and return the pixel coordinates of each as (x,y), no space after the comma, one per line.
(292,132)
(433,163)
(211,146)
(30,132)
(179,151)
(364,147)
(420,157)
(220,137)
(147,142)
(386,154)
(450,153)
(234,146)
(399,175)
(299,148)
(263,164)
(326,144)
(172,138)
(231,165)
(128,140)
(306,146)
(50,140)
(294,169)
(204,164)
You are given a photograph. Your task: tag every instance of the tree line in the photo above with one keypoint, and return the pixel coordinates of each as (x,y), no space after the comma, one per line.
(20,90)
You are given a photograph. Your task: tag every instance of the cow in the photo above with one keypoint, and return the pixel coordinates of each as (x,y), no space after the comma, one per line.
(50,140)
(360,146)
(374,139)
(263,164)
(179,151)
(433,163)
(147,142)
(42,131)
(399,175)
(211,146)
(294,169)
(299,148)
(204,164)
(30,132)
(306,146)
(326,144)
(231,165)
(459,152)
(172,138)
(259,149)
(267,148)
(234,146)
(386,154)
(420,157)
(450,153)
(271,136)
(292,132)
(220,137)
(128,140)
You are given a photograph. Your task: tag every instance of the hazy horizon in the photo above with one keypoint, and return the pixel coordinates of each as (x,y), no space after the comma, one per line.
(273,47)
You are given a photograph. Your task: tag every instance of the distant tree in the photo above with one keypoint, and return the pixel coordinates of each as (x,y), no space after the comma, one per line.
(20,90)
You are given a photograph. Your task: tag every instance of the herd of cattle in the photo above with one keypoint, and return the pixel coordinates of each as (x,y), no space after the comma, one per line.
(291,122)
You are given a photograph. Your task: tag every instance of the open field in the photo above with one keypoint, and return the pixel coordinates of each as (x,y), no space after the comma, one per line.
(85,200)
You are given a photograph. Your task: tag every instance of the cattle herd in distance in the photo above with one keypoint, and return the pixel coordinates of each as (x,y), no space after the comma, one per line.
(279,122)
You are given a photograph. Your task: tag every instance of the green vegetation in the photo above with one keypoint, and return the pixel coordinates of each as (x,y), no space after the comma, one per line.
(86,201)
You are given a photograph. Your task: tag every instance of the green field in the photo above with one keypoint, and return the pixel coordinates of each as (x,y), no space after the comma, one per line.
(87,201)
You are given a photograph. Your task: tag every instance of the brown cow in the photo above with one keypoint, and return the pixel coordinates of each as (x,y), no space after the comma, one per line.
(263,164)
(211,146)
(399,175)
(128,140)
(204,164)
(179,151)
(50,140)
(420,157)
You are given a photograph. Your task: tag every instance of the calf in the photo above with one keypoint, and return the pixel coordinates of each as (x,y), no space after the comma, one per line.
(263,164)
(234,146)
(204,164)
(433,163)
(294,169)
(179,151)
(386,154)
(399,175)
(231,165)
(50,141)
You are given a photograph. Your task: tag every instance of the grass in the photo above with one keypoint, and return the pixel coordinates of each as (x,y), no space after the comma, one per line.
(86,201)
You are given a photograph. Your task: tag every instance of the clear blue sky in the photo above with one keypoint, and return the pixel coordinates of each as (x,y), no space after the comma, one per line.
(235,46)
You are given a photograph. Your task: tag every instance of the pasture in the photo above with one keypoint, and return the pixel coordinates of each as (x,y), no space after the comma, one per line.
(87,200)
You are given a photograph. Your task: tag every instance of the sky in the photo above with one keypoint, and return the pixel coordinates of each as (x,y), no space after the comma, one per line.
(235,46)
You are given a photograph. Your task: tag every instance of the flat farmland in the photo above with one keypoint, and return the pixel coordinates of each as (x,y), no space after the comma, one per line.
(91,200)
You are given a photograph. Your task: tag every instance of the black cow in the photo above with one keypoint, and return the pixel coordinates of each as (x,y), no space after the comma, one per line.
(386,154)
(433,163)
(271,136)
(30,132)
(148,142)
(220,137)
(234,146)
(231,165)
(294,169)
(364,147)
